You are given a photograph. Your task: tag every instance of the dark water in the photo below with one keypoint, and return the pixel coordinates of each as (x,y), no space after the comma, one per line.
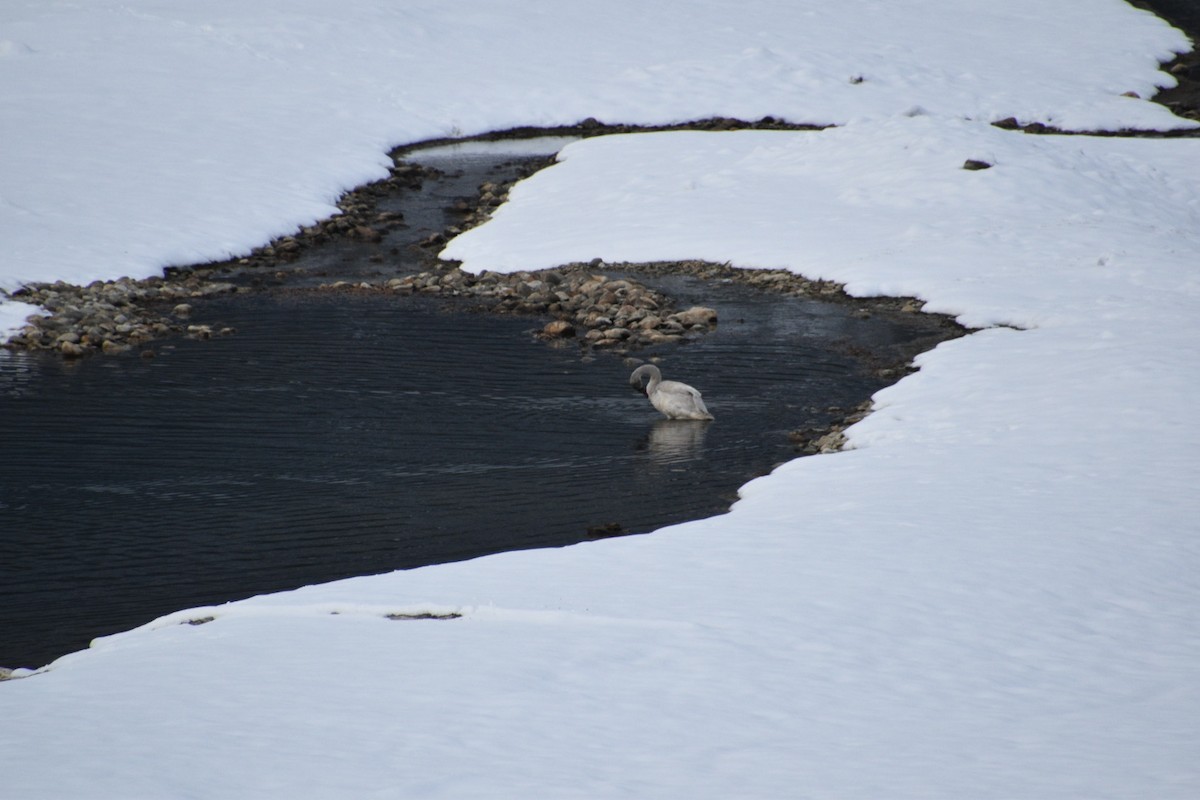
(339,436)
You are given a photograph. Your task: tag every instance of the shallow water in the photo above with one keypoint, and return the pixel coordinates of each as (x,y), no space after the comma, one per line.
(341,435)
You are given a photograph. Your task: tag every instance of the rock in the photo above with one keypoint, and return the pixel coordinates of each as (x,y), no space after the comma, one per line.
(182,310)
(647,302)
(631,313)
(974,164)
(696,315)
(71,350)
(111,348)
(606,530)
(593,285)
(658,337)
(558,329)
(213,288)
(831,442)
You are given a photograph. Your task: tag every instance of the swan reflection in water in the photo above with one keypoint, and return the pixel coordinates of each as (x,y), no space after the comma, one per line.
(671,441)
(674,399)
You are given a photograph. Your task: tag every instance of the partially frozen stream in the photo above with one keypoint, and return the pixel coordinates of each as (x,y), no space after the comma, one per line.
(340,435)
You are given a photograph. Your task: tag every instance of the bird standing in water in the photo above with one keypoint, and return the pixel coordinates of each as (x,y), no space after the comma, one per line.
(674,399)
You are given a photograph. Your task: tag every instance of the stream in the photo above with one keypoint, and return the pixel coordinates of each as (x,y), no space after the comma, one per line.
(337,435)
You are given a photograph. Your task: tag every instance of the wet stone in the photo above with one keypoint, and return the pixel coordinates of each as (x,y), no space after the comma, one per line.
(558,328)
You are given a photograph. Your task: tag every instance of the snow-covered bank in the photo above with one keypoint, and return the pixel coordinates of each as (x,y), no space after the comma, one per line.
(992,596)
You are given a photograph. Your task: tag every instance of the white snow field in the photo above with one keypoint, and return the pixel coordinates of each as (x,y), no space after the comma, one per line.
(991,594)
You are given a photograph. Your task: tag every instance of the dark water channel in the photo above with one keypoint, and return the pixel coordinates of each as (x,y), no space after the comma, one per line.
(341,435)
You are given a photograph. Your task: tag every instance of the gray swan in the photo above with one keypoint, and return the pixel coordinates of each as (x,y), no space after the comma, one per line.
(674,399)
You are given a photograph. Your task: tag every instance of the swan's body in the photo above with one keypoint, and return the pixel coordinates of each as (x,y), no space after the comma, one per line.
(674,399)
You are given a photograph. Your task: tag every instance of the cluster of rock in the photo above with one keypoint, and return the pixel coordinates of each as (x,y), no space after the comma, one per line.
(112,316)
(599,311)
(475,211)
(829,438)
(358,218)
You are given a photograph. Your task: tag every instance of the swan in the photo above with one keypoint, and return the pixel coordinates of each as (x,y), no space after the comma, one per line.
(674,399)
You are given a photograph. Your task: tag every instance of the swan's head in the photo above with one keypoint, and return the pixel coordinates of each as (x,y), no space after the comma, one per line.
(641,377)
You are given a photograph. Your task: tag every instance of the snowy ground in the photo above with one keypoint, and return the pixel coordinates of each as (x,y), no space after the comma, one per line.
(992,595)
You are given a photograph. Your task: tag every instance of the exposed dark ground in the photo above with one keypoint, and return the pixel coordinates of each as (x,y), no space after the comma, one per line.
(1184,99)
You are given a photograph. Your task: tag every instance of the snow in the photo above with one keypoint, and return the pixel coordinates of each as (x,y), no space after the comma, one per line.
(992,594)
